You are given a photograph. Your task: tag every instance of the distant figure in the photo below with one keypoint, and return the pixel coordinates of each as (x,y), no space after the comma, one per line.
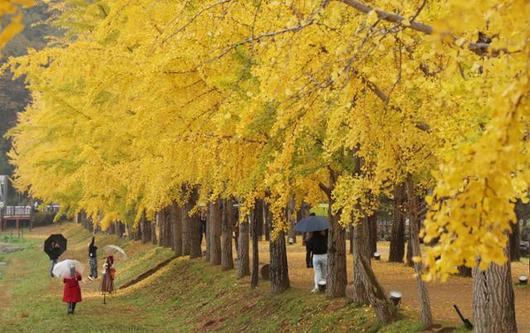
(308,253)
(318,245)
(72,290)
(202,227)
(92,260)
(109,273)
(54,254)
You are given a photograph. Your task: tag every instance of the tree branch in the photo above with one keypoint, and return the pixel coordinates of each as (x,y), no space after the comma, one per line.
(479,48)
(325,189)
(386,16)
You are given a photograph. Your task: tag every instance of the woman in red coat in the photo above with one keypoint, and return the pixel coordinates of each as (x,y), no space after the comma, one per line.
(72,290)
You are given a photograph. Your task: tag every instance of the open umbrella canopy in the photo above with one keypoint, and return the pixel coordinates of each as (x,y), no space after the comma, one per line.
(55,245)
(62,268)
(311,224)
(115,250)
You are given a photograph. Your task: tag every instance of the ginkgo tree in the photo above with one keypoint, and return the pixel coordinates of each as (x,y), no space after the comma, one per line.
(275,99)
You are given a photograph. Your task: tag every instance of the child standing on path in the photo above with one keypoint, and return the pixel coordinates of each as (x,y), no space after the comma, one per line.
(107,284)
(72,290)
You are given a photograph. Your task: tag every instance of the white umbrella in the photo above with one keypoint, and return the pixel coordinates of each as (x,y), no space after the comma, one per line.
(114,249)
(62,268)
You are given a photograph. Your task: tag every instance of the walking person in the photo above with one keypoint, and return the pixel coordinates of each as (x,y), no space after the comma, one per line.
(202,227)
(72,290)
(54,255)
(109,274)
(318,246)
(92,260)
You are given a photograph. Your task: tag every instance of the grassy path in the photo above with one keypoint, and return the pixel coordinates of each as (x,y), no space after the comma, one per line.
(184,296)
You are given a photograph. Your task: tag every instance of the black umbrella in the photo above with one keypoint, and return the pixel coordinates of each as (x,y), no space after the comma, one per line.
(311,224)
(55,245)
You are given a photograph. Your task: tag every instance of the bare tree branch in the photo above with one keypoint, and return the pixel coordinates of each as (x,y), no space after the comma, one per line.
(479,48)
(386,16)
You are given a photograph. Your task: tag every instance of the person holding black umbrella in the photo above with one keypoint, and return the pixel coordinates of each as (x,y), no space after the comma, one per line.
(54,246)
(316,245)
(92,260)
(54,254)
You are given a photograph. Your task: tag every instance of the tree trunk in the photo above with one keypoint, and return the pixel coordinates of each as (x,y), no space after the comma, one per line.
(359,290)
(176,222)
(168,227)
(227,260)
(493,300)
(145,229)
(279,271)
(111,229)
(291,217)
(186,231)
(254,230)
(207,231)
(159,228)
(336,280)
(243,266)
(154,227)
(267,222)
(337,277)
(409,261)
(351,237)
(372,228)
(385,311)
(397,238)
(515,238)
(413,213)
(119,229)
(515,242)
(261,221)
(366,238)
(215,232)
(136,234)
(522,211)
(194,225)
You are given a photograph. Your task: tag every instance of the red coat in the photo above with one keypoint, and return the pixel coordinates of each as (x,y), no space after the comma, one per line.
(72,291)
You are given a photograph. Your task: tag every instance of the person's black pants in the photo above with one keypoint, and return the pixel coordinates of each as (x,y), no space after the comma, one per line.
(71,307)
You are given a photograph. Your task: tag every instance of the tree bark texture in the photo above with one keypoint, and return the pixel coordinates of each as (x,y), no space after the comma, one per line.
(493,300)
(337,277)
(243,265)
(291,216)
(336,280)
(186,230)
(372,228)
(397,238)
(194,225)
(227,259)
(254,235)
(413,214)
(176,222)
(215,232)
(279,270)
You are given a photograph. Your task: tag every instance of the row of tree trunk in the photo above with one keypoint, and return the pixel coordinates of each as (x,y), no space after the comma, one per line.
(174,227)
(178,227)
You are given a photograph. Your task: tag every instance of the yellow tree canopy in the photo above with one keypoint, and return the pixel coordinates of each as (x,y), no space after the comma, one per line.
(277,99)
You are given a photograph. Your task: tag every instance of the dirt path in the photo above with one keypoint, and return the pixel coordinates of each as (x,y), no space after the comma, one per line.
(457,290)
